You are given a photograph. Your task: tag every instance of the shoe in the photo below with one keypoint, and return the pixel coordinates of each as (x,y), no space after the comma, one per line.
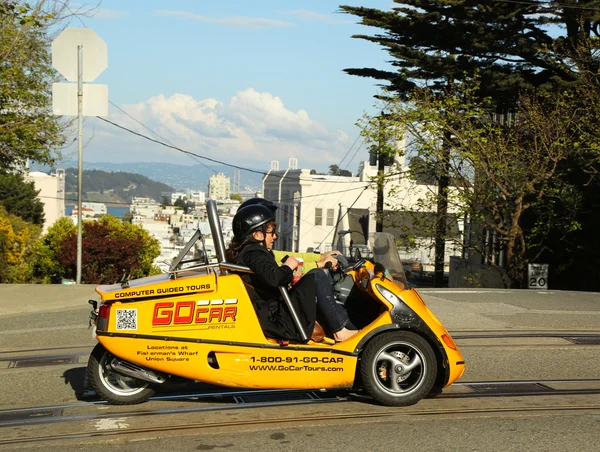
(344,334)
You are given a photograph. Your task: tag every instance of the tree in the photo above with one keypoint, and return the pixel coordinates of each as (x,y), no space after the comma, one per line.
(28,129)
(179,202)
(46,267)
(381,136)
(236,197)
(20,198)
(127,217)
(511,174)
(17,238)
(421,171)
(111,250)
(335,170)
(510,44)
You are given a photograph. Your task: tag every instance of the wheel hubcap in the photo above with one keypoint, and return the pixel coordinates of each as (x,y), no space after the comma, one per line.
(118,384)
(399,368)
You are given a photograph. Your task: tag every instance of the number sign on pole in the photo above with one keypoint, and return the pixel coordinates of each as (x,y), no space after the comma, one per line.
(537,276)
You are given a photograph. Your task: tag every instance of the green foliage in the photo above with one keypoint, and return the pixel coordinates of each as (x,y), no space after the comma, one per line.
(17,242)
(20,198)
(432,43)
(111,250)
(422,172)
(46,267)
(335,170)
(127,217)
(236,197)
(510,173)
(28,129)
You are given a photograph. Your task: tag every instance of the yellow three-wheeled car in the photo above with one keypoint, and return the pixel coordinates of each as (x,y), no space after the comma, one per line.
(199,323)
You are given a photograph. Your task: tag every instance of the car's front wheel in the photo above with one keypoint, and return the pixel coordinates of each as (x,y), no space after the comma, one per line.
(398,368)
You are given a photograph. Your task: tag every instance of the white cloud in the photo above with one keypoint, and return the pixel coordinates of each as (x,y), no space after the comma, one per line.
(103,13)
(314,16)
(95,11)
(251,129)
(229,21)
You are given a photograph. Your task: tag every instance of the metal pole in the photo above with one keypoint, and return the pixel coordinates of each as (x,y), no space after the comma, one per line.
(80,154)
(295,318)
(380,185)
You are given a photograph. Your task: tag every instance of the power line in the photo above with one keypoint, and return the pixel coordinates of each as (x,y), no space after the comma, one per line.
(291,226)
(155,133)
(128,204)
(342,217)
(141,135)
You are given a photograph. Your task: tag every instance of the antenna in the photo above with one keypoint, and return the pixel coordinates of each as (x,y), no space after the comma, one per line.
(236,181)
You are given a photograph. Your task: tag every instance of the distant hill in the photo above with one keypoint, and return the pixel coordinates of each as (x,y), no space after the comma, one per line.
(194,177)
(114,187)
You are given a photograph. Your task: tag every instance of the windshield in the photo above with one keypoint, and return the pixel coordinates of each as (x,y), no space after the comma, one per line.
(385,252)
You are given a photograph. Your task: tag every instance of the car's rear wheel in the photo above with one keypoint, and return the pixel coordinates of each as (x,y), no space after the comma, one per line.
(398,368)
(111,386)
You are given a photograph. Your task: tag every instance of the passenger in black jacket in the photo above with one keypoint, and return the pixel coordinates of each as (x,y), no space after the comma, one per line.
(254,232)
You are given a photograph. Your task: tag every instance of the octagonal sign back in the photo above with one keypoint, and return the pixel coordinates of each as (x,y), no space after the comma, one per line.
(64,54)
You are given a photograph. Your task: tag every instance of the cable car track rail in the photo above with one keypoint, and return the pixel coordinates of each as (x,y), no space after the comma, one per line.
(234,400)
(388,413)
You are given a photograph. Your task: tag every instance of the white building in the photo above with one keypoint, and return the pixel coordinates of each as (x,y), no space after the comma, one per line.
(52,194)
(322,212)
(144,208)
(219,187)
(197,196)
(309,206)
(179,194)
(89,211)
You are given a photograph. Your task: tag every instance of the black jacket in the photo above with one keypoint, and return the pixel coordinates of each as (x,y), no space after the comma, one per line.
(263,290)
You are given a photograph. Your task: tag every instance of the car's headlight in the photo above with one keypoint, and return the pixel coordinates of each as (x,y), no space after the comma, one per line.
(388,295)
(401,312)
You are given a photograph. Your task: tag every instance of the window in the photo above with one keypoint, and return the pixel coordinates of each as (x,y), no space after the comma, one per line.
(318,217)
(330,213)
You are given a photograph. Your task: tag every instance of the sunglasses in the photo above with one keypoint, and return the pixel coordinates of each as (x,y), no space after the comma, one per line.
(273,232)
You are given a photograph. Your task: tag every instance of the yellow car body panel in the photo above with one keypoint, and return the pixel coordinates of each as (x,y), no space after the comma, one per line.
(203,327)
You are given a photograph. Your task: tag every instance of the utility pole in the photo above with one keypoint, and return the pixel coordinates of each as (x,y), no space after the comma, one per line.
(381,159)
(380,184)
(442,214)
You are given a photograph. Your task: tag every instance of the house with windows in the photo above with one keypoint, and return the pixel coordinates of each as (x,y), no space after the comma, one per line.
(309,206)
(321,212)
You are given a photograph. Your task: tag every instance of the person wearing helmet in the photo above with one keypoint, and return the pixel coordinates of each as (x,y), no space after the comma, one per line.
(255,230)
(260,201)
(311,260)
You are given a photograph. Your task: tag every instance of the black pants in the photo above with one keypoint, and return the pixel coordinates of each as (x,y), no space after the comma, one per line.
(318,284)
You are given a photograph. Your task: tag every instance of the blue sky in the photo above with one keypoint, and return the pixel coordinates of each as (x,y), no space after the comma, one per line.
(246,82)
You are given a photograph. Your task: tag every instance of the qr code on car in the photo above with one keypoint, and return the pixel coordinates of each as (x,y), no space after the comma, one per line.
(126,319)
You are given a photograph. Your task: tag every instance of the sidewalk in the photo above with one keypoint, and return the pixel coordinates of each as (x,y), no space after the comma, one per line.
(28,298)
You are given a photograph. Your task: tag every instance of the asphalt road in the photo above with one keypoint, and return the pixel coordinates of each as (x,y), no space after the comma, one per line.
(490,326)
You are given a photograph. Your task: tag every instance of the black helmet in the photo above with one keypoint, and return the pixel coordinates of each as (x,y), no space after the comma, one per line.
(259,201)
(250,218)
